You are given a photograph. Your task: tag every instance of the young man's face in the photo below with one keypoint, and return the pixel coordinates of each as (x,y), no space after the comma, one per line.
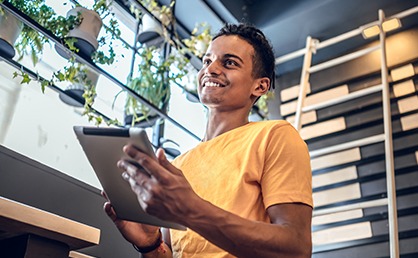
(225,79)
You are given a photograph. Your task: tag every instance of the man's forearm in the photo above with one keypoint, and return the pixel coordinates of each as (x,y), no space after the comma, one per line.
(245,238)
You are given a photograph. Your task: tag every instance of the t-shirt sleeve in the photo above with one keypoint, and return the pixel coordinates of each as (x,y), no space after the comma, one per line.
(287,176)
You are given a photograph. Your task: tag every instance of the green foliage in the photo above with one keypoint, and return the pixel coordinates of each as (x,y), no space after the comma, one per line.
(103,7)
(262,102)
(25,77)
(199,40)
(155,74)
(162,12)
(153,77)
(31,43)
(77,73)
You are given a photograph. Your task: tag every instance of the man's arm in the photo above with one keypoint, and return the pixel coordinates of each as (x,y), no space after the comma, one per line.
(288,235)
(168,195)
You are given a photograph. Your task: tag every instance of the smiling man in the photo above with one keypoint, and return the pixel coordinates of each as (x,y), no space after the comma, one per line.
(245,190)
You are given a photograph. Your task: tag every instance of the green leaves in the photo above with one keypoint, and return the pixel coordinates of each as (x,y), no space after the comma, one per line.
(155,74)
(25,77)
(199,40)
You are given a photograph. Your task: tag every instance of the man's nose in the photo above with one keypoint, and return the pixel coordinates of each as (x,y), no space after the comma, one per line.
(214,68)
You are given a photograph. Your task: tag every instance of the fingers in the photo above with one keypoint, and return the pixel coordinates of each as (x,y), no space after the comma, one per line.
(133,172)
(140,188)
(162,159)
(136,177)
(151,166)
(108,208)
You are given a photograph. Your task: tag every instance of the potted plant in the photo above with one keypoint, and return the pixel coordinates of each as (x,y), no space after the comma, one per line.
(30,41)
(10,28)
(71,29)
(82,36)
(152,33)
(155,74)
(199,40)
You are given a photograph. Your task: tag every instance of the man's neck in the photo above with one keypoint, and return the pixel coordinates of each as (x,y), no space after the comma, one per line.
(219,123)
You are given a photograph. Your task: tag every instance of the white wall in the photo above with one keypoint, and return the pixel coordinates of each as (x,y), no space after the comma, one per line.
(39,126)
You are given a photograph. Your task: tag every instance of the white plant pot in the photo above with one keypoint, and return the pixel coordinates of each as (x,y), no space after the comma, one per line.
(151,32)
(76,90)
(86,33)
(10,28)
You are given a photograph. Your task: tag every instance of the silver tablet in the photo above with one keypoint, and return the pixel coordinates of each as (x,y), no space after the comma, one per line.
(103,148)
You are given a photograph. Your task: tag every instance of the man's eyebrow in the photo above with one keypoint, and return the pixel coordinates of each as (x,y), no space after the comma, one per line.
(233,56)
(225,56)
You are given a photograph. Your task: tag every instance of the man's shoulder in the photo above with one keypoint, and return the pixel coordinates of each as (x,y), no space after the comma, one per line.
(269,124)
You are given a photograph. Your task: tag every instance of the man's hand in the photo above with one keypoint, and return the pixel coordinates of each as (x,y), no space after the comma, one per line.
(162,191)
(138,234)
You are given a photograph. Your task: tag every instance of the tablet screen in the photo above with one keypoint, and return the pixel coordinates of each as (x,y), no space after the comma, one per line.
(103,148)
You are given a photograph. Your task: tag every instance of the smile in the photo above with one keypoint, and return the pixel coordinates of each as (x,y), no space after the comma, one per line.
(212,84)
(208,82)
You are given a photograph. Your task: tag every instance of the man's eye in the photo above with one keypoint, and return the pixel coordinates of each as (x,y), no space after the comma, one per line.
(230,62)
(206,62)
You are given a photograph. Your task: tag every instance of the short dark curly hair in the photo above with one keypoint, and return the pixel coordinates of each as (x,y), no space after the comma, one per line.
(263,59)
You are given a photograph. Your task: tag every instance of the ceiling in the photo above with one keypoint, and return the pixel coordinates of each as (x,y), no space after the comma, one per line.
(287,23)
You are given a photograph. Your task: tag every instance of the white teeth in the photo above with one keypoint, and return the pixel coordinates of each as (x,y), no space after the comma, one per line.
(212,84)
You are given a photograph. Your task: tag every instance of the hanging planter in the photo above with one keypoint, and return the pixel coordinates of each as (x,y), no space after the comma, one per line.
(85,80)
(141,120)
(10,28)
(151,32)
(153,87)
(84,35)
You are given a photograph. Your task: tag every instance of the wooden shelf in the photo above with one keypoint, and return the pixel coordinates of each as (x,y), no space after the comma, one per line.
(19,219)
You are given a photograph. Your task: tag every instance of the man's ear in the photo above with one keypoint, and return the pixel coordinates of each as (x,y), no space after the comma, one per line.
(262,87)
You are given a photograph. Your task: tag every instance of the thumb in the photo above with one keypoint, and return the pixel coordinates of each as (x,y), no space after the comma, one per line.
(108,208)
(162,160)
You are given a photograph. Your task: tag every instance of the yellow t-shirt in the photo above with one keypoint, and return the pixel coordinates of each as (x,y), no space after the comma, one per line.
(244,171)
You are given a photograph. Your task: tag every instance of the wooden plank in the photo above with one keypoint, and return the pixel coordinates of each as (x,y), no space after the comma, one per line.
(403,88)
(416,156)
(335,195)
(402,72)
(336,159)
(290,107)
(342,233)
(336,217)
(74,254)
(306,118)
(408,104)
(292,92)
(409,122)
(333,177)
(323,128)
(18,217)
